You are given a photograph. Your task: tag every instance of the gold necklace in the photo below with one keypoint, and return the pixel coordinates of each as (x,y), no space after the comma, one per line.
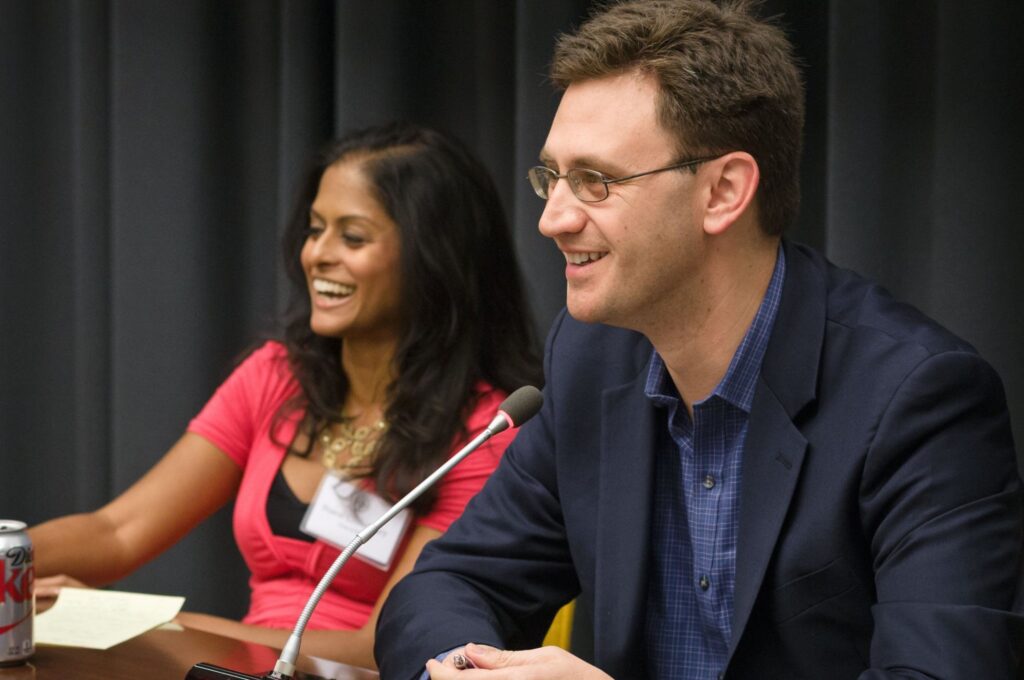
(360,442)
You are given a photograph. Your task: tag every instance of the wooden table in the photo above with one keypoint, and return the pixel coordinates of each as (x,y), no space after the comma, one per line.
(165,654)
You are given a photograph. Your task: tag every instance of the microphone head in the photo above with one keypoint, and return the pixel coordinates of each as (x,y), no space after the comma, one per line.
(522,405)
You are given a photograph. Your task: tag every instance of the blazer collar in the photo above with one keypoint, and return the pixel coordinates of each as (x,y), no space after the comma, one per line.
(790,365)
(774,451)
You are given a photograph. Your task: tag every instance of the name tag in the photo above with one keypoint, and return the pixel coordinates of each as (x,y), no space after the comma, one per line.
(340,510)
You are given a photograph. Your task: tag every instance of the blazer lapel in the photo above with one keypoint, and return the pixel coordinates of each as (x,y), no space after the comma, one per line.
(772,459)
(774,451)
(623,520)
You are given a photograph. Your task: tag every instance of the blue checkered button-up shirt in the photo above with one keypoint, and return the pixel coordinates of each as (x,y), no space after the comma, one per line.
(696,508)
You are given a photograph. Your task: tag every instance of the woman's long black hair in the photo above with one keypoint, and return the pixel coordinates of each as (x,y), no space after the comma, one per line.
(464,316)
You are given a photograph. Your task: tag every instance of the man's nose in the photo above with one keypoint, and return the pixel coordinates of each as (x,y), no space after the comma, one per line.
(563,212)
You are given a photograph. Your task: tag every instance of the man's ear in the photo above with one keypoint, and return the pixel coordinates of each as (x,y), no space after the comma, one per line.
(732,182)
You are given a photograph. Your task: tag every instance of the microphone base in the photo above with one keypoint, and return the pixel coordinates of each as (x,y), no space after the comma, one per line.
(207,671)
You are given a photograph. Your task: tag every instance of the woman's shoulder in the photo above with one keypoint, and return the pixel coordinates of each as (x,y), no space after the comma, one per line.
(263,377)
(245,404)
(269,351)
(269,359)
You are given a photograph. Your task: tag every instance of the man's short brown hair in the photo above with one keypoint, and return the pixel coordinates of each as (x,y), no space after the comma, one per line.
(728,82)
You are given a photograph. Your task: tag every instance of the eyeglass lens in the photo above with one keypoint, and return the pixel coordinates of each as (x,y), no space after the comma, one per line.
(587,185)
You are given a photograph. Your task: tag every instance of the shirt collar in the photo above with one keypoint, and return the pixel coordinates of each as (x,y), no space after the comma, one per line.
(737,386)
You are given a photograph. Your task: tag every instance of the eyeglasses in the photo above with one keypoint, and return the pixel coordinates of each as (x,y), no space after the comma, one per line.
(591,186)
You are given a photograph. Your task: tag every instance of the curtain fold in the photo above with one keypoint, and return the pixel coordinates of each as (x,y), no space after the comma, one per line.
(149,153)
(87,214)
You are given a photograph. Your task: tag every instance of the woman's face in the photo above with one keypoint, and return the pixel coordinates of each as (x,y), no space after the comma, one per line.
(350,258)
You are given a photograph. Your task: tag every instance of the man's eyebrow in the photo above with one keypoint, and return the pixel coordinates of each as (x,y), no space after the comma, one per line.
(584,162)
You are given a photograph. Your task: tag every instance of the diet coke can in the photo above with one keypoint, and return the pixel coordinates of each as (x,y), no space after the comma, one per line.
(17,577)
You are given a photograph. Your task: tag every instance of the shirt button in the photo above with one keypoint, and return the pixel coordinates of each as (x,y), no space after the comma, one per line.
(704,583)
(709,482)
(721,676)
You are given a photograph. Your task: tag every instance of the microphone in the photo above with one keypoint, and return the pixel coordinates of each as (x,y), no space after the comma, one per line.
(517,408)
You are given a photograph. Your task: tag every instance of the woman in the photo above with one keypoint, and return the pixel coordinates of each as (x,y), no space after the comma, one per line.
(408,329)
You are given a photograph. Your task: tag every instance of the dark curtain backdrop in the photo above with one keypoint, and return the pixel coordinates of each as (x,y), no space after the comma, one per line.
(148,152)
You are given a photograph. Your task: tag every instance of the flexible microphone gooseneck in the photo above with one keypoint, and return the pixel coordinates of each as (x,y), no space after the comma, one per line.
(517,408)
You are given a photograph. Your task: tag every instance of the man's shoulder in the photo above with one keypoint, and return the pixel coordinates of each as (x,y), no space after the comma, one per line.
(860,308)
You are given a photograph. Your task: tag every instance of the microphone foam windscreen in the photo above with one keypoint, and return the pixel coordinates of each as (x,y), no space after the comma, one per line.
(522,404)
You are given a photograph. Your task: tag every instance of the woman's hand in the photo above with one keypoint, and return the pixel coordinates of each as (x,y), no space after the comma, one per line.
(48,588)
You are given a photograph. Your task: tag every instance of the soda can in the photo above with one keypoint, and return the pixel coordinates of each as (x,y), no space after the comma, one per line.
(17,604)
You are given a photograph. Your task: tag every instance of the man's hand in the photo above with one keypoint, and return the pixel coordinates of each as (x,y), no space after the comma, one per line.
(545,663)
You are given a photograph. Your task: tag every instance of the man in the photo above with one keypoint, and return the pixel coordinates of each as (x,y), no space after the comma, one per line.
(751,463)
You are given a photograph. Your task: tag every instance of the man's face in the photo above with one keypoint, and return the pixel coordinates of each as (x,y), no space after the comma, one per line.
(632,257)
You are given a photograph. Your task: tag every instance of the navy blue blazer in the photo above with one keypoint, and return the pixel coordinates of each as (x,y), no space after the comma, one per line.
(880,516)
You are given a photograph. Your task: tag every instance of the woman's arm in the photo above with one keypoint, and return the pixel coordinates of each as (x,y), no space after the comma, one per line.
(354,647)
(190,482)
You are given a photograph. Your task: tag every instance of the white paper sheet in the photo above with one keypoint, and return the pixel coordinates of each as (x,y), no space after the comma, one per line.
(100,619)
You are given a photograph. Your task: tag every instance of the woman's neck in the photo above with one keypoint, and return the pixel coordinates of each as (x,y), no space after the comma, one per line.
(368,367)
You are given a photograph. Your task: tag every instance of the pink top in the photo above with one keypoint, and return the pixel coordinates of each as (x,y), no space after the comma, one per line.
(285,571)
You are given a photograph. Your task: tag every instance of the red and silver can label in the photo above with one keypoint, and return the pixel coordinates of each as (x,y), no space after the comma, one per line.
(17,577)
